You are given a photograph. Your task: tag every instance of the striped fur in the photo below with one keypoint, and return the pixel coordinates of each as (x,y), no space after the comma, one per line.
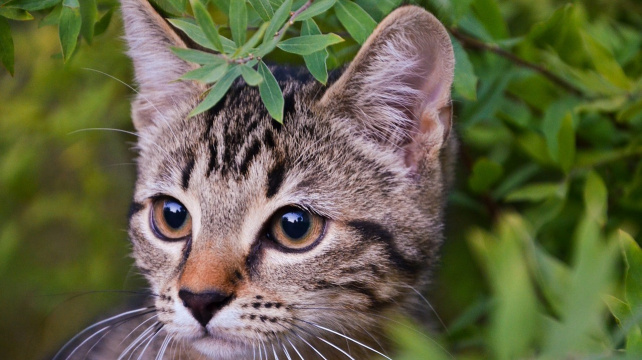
(370,152)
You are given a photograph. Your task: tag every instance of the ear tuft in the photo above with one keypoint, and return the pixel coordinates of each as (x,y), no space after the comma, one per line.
(398,86)
(156,68)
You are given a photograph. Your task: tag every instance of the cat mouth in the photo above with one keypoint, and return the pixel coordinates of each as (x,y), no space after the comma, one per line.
(215,337)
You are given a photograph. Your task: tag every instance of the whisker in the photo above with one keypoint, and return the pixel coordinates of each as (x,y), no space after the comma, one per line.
(285,350)
(161,352)
(98,324)
(310,345)
(136,328)
(85,341)
(112,327)
(274,352)
(131,88)
(104,129)
(336,347)
(265,350)
(149,342)
(348,338)
(140,338)
(430,306)
(295,349)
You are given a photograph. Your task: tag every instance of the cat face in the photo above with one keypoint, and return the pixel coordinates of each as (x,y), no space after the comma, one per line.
(257,236)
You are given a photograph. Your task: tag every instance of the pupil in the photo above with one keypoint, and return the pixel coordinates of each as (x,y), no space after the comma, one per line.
(175,214)
(295,224)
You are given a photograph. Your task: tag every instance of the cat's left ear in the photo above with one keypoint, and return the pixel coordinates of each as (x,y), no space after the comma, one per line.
(156,68)
(397,89)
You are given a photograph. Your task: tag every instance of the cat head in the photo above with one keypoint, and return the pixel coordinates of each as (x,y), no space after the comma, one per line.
(255,234)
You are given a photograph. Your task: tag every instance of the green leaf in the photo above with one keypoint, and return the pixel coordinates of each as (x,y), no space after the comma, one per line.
(386,6)
(103,23)
(207,74)
(197,34)
(605,62)
(6,45)
(535,146)
(223,5)
(305,45)
(171,7)
(89,14)
(15,14)
(632,255)
(280,16)
(217,91)
(488,12)
(32,5)
(356,20)
(514,317)
(485,173)
(251,76)
(593,265)
(625,319)
(465,81)
(238,21)
(263,8)
(271,93)
(197,56)
(315,62)
(52,18)
(561,32)
(566,143)
(207,26)
(317,7)
(71,3)
(618,308)
(595,198)
(249,45)
(69,29)
(538,192)
(413,344)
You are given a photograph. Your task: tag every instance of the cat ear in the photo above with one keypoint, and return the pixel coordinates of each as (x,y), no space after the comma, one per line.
(156,68)
(398,86)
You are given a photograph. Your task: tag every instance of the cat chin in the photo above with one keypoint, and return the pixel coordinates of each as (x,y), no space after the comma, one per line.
(217,347)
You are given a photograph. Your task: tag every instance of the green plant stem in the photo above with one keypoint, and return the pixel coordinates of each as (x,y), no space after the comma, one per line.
(279,33)
(471,42)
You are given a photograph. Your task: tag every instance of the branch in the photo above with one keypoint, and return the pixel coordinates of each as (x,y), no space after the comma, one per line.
(473,43)
(293,15)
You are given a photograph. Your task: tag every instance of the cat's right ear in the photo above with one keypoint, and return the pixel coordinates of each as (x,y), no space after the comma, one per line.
(149,38)
(397,89)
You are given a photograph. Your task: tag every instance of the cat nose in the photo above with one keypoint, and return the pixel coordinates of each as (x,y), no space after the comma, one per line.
(204,305)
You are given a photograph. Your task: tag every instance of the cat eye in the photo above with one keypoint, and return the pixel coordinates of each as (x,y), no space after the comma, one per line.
(170,219)
(295,228)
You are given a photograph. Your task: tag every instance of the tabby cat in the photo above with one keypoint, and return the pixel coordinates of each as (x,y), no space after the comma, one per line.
(269,241)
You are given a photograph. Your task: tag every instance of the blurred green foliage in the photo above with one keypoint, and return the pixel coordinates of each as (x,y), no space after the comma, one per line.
(541,258)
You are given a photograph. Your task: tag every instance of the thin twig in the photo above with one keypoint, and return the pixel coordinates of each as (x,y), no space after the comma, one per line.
(284,28)
(471,42)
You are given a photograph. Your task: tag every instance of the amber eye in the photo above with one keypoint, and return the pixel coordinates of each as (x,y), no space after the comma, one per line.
(295,228)
(170,219)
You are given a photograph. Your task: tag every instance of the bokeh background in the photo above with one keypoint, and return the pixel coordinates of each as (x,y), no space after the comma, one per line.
(549,182)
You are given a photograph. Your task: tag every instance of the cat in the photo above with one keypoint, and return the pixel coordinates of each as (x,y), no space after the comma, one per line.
(262,240)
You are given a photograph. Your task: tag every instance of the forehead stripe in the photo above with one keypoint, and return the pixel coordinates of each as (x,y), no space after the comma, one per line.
(275,179)
(187,172)
(212,164)
(250,154)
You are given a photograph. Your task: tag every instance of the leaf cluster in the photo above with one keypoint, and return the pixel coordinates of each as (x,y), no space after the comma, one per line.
(251,30)
(75,19)
(542,251)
